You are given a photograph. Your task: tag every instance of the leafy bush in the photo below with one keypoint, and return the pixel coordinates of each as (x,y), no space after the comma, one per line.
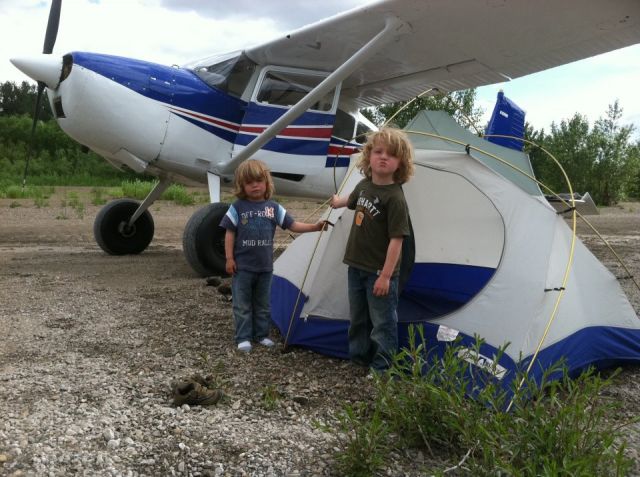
(449,407)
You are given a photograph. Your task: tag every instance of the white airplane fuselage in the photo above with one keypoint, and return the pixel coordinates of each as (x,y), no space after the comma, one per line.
(166,121)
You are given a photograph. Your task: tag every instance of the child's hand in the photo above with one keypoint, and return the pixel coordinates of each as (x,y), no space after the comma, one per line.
(322,225)
(230,266)
(381,286)
(335,200)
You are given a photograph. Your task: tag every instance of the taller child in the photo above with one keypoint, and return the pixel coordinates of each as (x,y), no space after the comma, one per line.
(248,245)
(380,223)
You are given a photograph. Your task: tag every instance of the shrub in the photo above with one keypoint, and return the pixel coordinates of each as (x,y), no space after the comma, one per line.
(453,408)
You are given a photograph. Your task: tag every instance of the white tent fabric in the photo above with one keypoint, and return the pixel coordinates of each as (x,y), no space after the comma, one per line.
(489,257)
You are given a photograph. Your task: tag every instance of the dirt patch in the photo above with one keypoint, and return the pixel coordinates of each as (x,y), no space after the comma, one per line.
(91,342)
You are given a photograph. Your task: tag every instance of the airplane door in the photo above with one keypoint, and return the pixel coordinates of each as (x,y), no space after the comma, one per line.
(300,149)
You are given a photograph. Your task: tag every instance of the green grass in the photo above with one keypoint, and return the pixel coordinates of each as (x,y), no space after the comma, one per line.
(554,427)
(11,191)
(270,397)
(140,189)
(136,189)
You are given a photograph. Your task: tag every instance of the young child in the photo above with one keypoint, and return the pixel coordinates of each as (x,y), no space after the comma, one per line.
(251,224)
(380,223)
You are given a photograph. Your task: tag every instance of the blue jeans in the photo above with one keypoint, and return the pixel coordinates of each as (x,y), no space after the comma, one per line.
(251,292)
(373,332)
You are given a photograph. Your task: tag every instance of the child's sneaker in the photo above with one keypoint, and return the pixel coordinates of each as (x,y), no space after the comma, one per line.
(267,342)
(244,346)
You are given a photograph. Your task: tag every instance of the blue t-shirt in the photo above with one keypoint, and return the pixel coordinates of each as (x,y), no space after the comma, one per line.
(255,225)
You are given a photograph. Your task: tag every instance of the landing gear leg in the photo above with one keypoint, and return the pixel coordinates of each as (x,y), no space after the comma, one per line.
(124,226)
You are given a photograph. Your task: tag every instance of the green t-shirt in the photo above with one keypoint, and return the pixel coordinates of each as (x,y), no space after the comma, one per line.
(381,214)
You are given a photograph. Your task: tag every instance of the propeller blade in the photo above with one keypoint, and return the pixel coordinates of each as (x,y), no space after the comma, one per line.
(52,27)
(36,115)
(49,41)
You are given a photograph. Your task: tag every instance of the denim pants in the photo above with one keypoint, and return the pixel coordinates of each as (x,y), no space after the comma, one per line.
(373,332)
(251,292)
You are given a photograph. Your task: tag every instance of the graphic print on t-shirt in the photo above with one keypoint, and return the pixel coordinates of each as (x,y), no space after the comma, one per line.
(366,206)
(258,226)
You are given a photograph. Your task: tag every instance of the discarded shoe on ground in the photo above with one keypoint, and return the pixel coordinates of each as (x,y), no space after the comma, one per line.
(194,391)
(224,289)
(213,281)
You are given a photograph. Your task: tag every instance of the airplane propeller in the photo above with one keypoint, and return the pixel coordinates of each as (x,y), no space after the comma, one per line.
(49,41)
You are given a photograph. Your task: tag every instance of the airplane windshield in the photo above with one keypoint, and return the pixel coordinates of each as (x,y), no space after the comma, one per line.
(230,75)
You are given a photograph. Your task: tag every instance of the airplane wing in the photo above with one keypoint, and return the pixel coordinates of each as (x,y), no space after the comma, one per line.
(455,44)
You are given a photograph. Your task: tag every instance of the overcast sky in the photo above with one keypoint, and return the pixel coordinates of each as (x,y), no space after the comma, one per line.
(178,31)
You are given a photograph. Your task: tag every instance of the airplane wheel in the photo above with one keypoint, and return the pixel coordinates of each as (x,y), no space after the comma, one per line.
(112,233)
(203,240)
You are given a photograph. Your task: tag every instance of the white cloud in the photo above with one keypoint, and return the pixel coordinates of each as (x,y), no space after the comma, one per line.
(149,30)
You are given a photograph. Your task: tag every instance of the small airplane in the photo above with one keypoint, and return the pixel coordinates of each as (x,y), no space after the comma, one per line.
(294,102)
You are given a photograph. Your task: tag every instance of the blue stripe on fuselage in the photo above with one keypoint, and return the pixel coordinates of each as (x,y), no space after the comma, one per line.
(184,89)
(174,86)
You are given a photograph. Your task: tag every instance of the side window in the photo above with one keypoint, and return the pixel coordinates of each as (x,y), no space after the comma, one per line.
(344,126)
(231,75)
(361,133)
(240,76)
(285,88)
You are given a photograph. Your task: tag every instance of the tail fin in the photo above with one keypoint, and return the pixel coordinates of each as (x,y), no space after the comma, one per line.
(507,120)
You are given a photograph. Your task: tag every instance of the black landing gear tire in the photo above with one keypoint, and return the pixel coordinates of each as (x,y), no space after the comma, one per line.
(113,234)
(203,240)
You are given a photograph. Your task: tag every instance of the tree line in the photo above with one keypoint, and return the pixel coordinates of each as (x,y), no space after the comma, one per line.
(601,159)
(55,158)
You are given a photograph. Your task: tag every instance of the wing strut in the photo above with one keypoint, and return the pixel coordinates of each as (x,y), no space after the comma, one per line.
(393,27)
(150,199)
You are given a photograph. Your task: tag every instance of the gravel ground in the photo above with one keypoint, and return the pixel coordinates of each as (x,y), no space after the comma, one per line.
(91,343)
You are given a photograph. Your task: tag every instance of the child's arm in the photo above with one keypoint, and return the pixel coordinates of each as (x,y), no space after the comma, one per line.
(381,286)
(229,240)
(337,201)
(302,227)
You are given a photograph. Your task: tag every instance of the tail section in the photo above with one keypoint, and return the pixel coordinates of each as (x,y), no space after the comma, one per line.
(507,120)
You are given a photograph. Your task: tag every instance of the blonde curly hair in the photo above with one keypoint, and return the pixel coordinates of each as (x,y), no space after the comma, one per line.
(397,144)
(249,171)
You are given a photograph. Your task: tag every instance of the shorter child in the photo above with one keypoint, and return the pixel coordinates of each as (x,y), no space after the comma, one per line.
(248,243)
(380,223)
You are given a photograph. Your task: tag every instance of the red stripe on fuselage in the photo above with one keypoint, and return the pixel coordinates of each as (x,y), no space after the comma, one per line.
(313,132)
(341,150)
(217,122)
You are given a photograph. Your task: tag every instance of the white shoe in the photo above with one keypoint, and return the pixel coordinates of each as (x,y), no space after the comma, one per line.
(244,346)
(267,342)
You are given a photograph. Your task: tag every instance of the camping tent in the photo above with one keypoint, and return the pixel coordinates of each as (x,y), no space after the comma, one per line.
(490,258)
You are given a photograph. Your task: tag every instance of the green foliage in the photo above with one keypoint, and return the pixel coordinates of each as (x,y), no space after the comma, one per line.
(136,189)
(632,183)
(97,197)
(270,397)
(365,435)
(178,194)
(55,158)
(460,105)
(554,427)
(599,159)
(560,427)
(11,191)
(40,202)
(21,99)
